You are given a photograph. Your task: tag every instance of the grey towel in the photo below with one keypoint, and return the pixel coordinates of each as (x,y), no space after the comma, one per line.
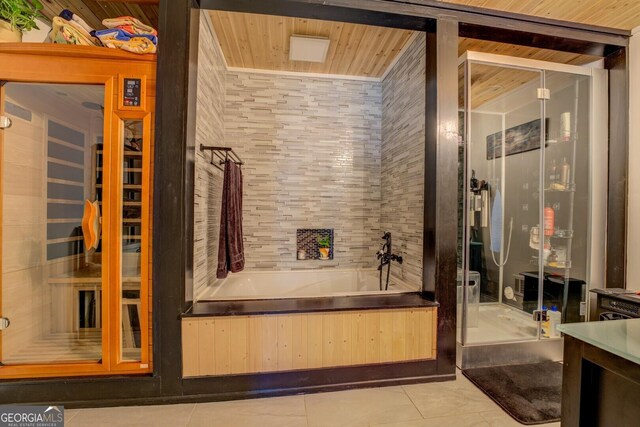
(231,248)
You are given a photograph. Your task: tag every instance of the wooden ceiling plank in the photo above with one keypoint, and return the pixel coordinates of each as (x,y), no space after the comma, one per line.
(93,11)
(370,38)
(333,55)
(223,40)
(620,14)
(240,34)
(386,46)
(341,46)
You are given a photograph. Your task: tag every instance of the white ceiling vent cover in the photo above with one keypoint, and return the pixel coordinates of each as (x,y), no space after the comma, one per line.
(308,49)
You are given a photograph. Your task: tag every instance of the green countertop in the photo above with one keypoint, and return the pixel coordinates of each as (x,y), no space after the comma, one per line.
(620,337)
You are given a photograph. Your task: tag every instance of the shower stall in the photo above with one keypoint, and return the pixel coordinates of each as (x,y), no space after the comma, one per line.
(532,200)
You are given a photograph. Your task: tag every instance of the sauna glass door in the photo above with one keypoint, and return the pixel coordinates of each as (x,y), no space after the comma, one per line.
(54,260)
(131,172)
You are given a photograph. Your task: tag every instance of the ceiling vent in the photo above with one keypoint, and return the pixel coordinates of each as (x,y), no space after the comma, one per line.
(308,49)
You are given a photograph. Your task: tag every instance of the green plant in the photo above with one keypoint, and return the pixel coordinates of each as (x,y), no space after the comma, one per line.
(21,14)
(324,242)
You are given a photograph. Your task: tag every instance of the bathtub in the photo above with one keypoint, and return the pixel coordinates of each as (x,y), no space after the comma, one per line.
(300,284)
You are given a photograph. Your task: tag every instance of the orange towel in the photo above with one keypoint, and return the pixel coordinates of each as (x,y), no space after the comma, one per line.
(129,24)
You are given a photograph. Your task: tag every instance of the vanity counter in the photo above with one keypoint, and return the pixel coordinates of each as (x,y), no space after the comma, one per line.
(601,373)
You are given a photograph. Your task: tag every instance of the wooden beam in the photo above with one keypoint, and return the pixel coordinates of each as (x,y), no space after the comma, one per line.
(616,261)
(441,176)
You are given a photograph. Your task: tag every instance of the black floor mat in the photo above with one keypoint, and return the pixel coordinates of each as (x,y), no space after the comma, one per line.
(530,393)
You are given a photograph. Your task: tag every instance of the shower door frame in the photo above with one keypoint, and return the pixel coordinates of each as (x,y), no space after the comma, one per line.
(597,184)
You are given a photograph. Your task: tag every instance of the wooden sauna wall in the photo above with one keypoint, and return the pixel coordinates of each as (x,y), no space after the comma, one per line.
(226,345)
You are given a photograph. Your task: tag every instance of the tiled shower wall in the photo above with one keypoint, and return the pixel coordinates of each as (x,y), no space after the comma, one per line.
(312,153)
(402,177)
(209,131)
(316,151)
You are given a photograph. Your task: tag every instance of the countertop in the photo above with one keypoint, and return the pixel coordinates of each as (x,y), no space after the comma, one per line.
(308,305)
(620,337)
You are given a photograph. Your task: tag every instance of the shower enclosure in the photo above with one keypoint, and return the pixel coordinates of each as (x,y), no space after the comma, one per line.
(532,204)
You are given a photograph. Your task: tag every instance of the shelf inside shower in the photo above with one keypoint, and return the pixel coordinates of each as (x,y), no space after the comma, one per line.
(561,188)
(553,264)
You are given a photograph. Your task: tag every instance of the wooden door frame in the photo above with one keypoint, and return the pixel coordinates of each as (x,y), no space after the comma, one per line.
(117,363)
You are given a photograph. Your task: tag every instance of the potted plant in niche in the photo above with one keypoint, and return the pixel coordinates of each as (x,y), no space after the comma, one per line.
(324,244)
(17,16)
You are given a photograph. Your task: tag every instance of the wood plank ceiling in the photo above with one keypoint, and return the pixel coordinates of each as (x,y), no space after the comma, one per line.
(262,42)
(488,83)
(93,12)
(621,14)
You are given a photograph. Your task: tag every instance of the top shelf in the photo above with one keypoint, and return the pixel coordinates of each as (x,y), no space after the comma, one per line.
(72,51)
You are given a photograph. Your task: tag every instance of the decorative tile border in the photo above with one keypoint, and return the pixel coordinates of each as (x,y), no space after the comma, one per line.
(307,240)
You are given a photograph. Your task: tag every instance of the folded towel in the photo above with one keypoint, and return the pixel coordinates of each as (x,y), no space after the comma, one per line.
(123,35)
(70,32)
(118,39)
(129,24)
(496,223)
(70,16)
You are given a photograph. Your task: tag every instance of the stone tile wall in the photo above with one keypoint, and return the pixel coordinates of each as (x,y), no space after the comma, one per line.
(317,152)
(402,176)
(209,131)
(312,153)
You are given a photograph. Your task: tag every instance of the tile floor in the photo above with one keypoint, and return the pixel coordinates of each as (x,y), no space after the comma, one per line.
(456,403)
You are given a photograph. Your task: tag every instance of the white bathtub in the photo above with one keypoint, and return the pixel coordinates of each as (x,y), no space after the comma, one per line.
(296,284)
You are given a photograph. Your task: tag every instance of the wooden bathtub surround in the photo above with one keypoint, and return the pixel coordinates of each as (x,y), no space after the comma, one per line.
(227,345)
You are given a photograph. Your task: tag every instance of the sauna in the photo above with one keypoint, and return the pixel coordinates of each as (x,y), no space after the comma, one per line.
(75,210)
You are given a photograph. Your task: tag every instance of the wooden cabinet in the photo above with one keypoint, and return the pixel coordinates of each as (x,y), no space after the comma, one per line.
(81,133)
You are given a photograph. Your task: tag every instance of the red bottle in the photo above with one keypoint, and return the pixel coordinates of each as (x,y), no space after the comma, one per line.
(549,219)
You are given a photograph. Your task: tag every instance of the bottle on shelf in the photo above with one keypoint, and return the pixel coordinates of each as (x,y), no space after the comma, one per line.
(555,318)
(549,219)
(565,126)
(545,325)
(553,170)
(565,175)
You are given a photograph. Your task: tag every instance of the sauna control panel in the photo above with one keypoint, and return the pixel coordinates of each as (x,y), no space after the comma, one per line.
(131,92)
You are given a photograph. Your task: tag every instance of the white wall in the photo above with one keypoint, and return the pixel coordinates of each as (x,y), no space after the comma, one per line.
(37,36)
(633,207)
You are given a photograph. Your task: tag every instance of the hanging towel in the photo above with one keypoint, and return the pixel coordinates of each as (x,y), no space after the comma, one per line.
(230,246)
(496,222)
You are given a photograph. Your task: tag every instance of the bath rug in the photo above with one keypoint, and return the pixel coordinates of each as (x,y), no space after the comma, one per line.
(530,393)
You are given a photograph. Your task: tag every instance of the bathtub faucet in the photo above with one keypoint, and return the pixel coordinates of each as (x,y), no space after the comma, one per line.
(386,256)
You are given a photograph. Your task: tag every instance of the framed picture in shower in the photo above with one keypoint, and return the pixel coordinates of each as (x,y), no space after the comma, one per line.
(519,139)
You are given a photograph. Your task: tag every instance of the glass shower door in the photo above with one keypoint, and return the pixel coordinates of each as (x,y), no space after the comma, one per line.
(566,199)
(504,138)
